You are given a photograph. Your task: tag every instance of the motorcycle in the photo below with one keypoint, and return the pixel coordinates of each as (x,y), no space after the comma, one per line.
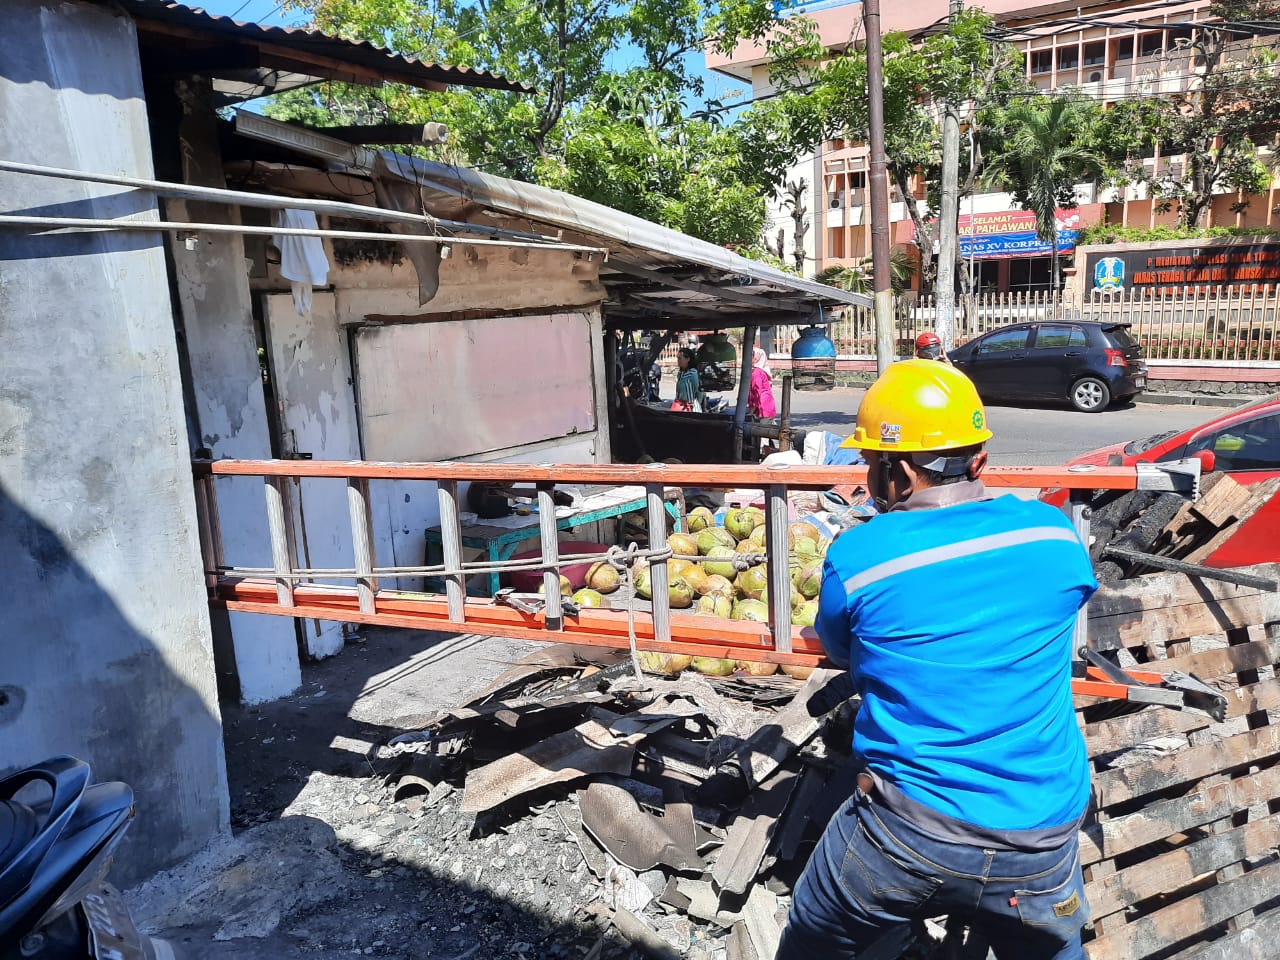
(55,851)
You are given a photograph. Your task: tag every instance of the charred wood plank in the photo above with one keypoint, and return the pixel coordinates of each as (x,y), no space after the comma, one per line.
(1187,919)
(1176,870)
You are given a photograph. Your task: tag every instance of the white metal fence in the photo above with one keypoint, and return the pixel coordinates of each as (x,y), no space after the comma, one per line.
(1223,324)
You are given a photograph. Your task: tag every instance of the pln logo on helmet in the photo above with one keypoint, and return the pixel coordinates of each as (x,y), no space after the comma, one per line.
(1108,275)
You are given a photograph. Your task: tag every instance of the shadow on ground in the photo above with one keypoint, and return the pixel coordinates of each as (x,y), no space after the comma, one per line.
(324,865)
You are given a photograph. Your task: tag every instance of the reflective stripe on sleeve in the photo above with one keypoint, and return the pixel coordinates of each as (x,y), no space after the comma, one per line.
(952,551)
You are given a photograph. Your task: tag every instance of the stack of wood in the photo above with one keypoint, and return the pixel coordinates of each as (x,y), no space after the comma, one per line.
(1170,526)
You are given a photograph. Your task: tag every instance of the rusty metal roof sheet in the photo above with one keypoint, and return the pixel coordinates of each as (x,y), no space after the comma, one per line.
(315,46)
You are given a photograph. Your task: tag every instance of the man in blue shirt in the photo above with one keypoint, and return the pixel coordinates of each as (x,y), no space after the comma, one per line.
(954,613)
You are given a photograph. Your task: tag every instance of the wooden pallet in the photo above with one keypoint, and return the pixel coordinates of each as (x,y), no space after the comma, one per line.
(1180,853)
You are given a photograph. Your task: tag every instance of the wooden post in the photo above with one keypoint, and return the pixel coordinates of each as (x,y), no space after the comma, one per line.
(279,517)
(659,582)
(554,613)
(777,547)
(362,542)
(784,418)
(455,584)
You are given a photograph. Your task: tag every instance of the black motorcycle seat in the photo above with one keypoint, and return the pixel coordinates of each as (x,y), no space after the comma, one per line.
(18,824)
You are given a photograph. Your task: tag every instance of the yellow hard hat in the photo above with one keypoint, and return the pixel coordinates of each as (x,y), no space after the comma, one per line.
(919,405)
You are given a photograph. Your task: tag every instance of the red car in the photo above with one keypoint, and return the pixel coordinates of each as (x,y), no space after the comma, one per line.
(1244,442)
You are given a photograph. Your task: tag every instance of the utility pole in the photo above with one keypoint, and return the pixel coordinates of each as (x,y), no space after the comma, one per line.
(878,184)
(948,215)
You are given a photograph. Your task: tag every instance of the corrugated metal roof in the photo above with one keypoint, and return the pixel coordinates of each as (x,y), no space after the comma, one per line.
(749,291)
(391,65)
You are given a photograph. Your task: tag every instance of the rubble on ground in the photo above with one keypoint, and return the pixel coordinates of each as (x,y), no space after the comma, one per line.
(675,812)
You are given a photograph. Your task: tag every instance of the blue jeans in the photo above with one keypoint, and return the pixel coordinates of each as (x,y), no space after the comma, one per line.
(873,874)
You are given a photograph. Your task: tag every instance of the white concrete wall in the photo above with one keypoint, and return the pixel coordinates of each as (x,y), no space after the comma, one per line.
(230,412)
(106,651)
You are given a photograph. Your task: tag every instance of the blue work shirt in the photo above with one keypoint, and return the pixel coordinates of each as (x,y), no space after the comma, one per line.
(956,624)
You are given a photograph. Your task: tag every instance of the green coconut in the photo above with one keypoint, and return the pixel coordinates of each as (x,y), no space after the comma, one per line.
(664,664)
(696,577)
(677,568)
(752,583)
(805,547)
(749,546)
(714,605)
(602,577)
(809,580)
(806,614)
(755,669)
(717,584)
(753,610)
(679,593)
(718,567)
(742,522)
(586,597)
(798,673)
(683,544)
(800,529)
(715,537)
(796,598)
(640,577)
(714,666)
(566,587)
(700,518)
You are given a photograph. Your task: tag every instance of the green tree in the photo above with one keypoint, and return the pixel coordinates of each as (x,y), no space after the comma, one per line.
(1219,120)
(857,278)
(633,139)
(1045,149)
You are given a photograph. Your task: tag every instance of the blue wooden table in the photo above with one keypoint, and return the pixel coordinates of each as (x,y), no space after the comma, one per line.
(499,540)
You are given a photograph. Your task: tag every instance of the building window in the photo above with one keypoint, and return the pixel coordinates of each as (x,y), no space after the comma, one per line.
(1124,49)
(1150,44)
(835,243)
(1068,58)
(1031,273)
(1041,61)
(1095,54)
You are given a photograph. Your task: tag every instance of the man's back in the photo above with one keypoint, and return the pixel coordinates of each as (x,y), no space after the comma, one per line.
(957,625)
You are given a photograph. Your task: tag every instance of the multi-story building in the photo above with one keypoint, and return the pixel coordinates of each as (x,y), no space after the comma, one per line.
(1109,49)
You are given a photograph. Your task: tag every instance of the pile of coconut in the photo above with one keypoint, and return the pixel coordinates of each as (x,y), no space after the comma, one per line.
(721,571)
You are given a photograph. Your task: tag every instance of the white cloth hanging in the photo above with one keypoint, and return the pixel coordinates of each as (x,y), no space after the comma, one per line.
(302,259)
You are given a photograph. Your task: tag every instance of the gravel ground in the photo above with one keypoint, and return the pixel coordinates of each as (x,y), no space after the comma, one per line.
(321,864)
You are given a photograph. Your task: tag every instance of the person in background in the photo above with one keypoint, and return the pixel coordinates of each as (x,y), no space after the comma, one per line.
(929,347)
(688,384)
(760,399)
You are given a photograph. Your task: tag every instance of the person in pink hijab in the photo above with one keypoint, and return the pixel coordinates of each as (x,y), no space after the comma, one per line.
(760,399)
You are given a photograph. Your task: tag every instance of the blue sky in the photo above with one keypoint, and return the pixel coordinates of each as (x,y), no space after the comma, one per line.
(269,12)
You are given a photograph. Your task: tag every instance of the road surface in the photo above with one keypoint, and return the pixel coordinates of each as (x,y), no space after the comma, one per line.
(1024,436)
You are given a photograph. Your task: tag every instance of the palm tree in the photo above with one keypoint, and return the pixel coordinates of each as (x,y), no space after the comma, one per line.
(857,278)
(1039,149)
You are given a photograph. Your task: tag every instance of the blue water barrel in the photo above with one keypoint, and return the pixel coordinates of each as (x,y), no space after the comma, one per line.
(813,360)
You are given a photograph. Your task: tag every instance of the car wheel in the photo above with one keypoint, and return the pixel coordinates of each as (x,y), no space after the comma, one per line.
(1090,395)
